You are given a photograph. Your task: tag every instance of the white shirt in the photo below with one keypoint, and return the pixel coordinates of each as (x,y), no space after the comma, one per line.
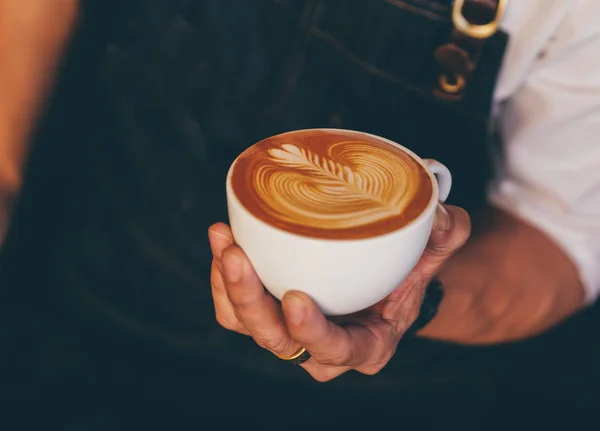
(548,111)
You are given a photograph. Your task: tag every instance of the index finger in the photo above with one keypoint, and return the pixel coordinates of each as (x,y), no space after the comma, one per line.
(255,308)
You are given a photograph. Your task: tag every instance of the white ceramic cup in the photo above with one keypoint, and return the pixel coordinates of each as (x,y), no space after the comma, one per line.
(342,275)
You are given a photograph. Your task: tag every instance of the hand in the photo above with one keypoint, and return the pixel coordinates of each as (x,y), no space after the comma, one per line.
(366,341)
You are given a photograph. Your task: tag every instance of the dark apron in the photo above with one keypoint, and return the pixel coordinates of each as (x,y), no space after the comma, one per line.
(106,270)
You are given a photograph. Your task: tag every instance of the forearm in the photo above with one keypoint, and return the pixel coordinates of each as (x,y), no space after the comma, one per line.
(510,282)
(33,35)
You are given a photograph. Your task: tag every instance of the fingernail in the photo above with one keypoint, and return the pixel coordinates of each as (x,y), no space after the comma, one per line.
(294,308)
(217,236)
(442,219)
(233,267)
(216,241)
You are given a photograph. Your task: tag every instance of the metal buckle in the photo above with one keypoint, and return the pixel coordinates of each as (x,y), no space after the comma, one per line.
(477,31)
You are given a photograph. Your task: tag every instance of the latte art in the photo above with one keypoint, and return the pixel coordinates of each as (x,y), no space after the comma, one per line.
(331,184)
(352,185)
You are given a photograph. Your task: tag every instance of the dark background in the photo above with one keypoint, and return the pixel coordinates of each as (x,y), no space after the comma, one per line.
(63,367)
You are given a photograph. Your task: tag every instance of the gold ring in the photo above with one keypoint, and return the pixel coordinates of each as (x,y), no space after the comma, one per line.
(300,357)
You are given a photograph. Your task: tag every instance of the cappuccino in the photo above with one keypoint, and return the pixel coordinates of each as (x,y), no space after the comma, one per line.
(331,184)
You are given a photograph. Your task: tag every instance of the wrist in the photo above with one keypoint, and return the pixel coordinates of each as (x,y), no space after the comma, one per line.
(461,317)
(507,284)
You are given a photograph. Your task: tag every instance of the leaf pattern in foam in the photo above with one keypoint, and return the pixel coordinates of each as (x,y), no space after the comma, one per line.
(327,190)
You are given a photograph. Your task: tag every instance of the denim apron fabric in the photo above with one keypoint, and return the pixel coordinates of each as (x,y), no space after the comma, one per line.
(155,102)
(107,265)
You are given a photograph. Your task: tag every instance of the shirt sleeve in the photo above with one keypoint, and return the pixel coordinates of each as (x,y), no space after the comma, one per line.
(550,170)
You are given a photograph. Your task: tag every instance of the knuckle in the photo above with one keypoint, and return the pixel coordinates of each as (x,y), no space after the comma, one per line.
(241,300)
(274,344)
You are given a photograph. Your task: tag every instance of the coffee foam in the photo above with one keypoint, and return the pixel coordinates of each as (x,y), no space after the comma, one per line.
(331,184)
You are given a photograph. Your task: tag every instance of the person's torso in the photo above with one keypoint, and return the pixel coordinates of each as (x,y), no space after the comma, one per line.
(156,102)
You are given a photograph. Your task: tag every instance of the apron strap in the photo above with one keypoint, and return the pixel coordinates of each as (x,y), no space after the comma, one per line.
(474,22)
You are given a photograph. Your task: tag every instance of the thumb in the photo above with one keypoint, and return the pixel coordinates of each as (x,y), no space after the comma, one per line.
(451,230)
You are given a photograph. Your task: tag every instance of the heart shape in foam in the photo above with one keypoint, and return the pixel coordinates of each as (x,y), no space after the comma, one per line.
(353,184)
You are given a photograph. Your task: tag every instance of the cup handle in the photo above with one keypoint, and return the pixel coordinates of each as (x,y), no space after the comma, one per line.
(443,177)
